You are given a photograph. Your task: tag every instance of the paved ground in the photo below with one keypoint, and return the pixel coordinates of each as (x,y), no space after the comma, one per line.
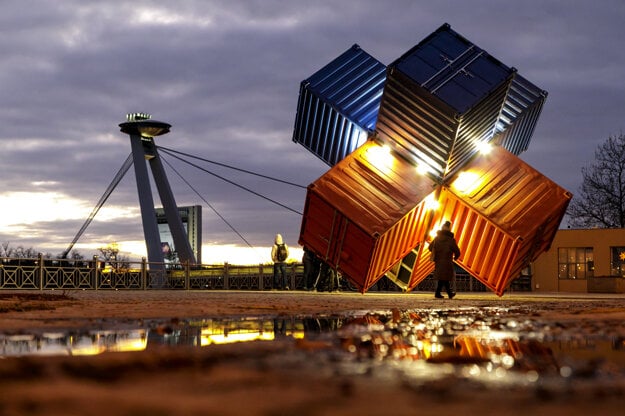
(286,377)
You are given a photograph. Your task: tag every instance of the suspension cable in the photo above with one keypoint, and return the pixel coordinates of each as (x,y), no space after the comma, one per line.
(231,182)
(118,177)
(206,202)
(232,167)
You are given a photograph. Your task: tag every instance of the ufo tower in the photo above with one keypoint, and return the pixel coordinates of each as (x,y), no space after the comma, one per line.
(142,130)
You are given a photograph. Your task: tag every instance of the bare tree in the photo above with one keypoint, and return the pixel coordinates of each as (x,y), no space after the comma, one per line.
(601,199)
(18,252)
(111,255)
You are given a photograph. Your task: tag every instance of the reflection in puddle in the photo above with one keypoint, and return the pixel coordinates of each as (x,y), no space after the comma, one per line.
(86,343)
(481,344)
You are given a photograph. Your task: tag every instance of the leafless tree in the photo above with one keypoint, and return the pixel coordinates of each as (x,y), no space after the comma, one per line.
(110,254)
(600,202)
(18,252)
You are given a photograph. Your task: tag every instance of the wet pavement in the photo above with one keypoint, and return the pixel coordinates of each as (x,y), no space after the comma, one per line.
(492,346)
(548,347)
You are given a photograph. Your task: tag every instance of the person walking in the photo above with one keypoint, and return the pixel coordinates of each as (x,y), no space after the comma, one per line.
(279,254)
(444,251)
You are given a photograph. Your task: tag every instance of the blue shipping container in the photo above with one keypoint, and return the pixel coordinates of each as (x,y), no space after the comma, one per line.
(519,115)
(338,105)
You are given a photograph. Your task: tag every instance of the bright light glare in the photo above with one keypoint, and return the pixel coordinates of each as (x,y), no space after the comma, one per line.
(467,182)
(431,203)
(484,147)
(437,227)
(380,156)
(423,169)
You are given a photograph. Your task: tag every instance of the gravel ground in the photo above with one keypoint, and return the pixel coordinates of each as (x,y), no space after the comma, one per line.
(303,376)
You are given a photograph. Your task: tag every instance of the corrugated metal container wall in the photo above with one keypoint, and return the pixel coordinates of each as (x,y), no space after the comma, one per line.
(488,252)
(414,127)
(504,214)
(366,213)
(338,105)
(519,115)
(511,193)
(442,99)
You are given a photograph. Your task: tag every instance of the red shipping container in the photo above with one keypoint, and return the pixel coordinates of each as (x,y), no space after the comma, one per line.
(366,213)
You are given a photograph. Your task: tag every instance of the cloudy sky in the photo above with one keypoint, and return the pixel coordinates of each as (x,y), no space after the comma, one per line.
(226,75)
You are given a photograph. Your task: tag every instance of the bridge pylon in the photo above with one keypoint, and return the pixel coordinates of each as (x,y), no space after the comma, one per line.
(142,130)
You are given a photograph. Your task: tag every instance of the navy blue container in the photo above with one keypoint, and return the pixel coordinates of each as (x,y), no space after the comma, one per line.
(442,99)
(519,116)
(338,105)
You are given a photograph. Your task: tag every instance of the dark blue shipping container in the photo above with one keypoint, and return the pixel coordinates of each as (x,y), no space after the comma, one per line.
(519,115)
(453,69)
(442,99)
(338,105)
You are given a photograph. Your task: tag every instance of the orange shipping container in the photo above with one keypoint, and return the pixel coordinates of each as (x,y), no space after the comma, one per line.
(504,214)
(366,213)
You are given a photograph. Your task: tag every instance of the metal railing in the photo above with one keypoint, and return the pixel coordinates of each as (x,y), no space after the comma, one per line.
(67,274)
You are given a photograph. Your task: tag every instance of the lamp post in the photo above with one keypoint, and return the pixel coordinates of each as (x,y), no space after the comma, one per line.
(142,130)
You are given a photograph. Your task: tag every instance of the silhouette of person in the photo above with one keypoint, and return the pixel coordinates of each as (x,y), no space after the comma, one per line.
(328,279)
(311,268)
(445,251)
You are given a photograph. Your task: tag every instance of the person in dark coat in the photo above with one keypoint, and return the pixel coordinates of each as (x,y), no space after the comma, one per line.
(311,268)
(445,251)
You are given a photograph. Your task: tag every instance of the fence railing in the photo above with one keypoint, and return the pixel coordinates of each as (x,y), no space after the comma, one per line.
(66,274)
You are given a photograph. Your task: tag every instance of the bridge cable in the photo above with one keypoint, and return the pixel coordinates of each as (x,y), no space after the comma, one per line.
(234,183)
(232,167)
(207,203)
(118,177)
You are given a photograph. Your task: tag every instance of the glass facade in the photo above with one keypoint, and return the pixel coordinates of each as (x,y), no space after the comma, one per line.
(575,262)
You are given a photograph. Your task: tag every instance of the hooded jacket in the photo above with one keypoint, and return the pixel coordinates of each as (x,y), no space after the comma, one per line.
(445,252)
(274,249)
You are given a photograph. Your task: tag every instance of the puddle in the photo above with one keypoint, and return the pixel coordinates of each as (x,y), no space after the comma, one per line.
(485,345)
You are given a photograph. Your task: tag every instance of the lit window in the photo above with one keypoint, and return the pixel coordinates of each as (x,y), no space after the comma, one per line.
(575,262)
(617,261)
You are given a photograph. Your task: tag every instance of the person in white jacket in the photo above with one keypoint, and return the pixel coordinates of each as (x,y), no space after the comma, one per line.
(279,254)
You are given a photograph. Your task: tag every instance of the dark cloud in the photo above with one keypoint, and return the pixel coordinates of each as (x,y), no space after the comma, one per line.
(226,76)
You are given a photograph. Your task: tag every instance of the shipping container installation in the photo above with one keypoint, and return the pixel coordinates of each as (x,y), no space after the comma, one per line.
(405,145)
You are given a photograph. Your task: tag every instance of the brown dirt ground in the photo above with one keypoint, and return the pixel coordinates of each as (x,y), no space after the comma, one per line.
(247,378)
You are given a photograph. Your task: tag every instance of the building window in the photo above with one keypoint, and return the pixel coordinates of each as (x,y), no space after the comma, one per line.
(617,261)
(575,262)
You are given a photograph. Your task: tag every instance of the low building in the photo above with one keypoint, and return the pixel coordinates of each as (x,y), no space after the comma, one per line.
(584,260)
